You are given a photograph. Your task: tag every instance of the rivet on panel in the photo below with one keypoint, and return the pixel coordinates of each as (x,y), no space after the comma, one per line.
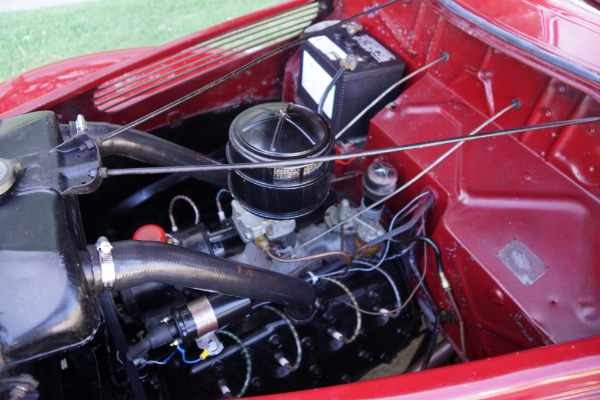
(496,296)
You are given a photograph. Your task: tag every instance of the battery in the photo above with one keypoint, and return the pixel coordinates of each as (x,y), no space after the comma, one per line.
(378,68)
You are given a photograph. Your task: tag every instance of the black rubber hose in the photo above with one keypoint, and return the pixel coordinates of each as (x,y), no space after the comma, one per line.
(138,262)
(155,151)
(156,337)
(330,86)
(430,242)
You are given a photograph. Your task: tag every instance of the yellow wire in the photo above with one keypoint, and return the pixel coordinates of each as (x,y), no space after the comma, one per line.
(204,355)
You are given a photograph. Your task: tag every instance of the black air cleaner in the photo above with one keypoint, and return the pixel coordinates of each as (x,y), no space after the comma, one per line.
(273,132)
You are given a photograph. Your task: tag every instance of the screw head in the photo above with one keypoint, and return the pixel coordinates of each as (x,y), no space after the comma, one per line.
(212,346)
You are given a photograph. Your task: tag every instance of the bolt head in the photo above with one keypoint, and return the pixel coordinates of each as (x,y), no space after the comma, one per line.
(212,346)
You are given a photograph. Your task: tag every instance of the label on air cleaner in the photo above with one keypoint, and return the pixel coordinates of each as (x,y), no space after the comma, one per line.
(327,47)
(315,80)
(380,53)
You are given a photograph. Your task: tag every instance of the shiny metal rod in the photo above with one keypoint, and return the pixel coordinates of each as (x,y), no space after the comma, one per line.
(335,157)
(238,71)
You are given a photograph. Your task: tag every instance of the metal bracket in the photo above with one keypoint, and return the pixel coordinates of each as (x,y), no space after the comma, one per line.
(107,263)
(211,343)
(65,168)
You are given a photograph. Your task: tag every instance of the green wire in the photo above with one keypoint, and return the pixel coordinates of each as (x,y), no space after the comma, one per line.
(248,362)
(355,303)
(294,333)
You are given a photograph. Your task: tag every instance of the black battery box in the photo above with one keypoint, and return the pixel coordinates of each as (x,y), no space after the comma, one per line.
(378,68)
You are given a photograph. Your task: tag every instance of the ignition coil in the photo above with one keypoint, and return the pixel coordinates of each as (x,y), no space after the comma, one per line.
(191,321)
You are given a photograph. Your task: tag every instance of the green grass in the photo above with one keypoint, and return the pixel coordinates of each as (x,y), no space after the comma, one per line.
(32,38)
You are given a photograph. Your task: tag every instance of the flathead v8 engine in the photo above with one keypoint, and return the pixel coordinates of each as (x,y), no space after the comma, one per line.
(293,318)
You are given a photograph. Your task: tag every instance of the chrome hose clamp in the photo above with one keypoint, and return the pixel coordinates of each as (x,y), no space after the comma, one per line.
(107,264)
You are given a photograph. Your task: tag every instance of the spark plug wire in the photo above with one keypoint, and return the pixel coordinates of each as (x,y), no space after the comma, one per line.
(296,365)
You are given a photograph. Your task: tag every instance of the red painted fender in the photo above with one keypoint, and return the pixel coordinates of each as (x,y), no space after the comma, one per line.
(33,84)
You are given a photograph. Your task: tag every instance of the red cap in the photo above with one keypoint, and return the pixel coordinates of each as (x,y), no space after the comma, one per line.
(150,233)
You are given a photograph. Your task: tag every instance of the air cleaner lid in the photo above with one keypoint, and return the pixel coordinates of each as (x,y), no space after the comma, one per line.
(277,131)
(273,132)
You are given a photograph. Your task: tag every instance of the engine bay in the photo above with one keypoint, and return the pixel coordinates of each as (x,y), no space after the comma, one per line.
(296,241)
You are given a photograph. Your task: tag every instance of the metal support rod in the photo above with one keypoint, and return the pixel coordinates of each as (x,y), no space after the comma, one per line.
(348,156)
(513,104)
(243,68)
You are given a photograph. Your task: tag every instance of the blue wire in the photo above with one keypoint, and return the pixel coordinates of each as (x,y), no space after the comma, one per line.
(156,362)
(182,351)
(166,360)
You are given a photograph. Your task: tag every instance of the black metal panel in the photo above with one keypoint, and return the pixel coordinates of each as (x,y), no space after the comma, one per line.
(44,305)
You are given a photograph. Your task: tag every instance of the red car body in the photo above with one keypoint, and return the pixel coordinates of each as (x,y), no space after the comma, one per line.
(541,189)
